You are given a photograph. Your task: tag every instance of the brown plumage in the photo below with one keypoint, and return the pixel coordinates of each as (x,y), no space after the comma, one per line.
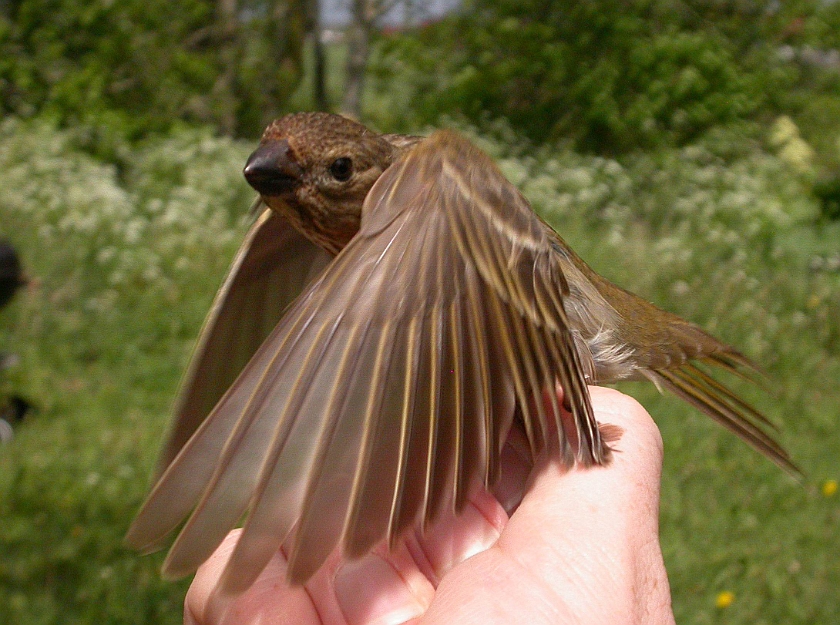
(382,394)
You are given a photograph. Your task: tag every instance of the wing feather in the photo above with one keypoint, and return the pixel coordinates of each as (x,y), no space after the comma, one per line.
(228,493)
(378,470)
(433,415)
(270,269)
(208,454)
(333,479)
(278,499)
(410,502)
(406,411)
(481,425)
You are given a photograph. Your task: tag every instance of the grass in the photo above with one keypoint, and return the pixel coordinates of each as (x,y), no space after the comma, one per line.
(126,262)
(124,266)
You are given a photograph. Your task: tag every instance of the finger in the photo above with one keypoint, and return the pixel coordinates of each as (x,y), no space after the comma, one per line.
(269,601)
(516,467)
(583,545)
(394,586)
(603,522)
(383,587)
(386,586)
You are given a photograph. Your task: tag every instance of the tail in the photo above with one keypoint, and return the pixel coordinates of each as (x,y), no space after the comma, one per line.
(690,383)
(673,353)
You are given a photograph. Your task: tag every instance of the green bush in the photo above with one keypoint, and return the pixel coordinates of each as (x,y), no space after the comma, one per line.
(136,67)
(611,76)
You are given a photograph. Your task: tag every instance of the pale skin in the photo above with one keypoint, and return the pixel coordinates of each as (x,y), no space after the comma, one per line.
(582,547)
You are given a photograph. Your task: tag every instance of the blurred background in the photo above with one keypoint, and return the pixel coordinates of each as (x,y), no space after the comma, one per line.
(688,149)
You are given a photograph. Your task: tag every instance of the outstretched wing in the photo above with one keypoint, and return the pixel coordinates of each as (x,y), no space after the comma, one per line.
(273,265)
(385,393)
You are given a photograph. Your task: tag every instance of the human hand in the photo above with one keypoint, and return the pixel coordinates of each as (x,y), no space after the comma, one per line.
(582,547)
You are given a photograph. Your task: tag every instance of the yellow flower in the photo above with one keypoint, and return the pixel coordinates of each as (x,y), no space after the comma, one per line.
(792,148)
(724,599)
(829,487)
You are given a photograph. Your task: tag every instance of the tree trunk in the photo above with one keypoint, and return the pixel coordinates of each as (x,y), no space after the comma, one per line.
(225,85)
(358,49)
(319,78)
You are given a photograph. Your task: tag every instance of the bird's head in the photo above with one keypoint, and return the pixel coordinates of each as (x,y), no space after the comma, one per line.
(317,168)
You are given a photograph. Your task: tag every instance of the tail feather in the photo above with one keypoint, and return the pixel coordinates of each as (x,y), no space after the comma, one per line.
(668,350)
(730,396)
(711,397)
(737,364)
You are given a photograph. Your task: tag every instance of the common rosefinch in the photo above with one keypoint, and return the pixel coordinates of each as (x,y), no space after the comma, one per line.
(384,393)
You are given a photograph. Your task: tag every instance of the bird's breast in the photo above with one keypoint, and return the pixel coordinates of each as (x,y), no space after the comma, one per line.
(330,230)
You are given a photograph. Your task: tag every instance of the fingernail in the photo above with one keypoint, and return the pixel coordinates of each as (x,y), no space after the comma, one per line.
(371,591)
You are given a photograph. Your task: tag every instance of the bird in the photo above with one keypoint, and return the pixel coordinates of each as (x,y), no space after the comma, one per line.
(394,310)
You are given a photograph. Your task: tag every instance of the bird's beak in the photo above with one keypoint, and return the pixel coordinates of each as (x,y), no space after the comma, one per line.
(272,169)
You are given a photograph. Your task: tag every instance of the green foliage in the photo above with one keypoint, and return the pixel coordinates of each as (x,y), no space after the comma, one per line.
(611,76)
(135,67)
(123,270)
(812,45)
(720,231)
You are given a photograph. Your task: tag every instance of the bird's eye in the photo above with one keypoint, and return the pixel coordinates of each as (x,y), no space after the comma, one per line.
(342,169)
